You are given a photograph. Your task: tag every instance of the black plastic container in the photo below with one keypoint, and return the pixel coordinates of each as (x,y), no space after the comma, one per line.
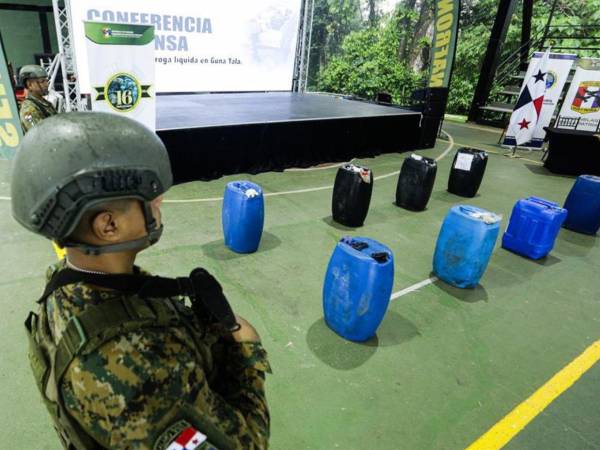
(415,182)
(352,195)
(467,171)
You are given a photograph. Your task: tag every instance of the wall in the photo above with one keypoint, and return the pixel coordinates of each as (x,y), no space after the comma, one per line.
(22,33)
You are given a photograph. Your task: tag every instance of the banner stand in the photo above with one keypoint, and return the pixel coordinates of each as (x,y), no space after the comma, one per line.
(121,68)
(559,67)
(581,107)
(11,132)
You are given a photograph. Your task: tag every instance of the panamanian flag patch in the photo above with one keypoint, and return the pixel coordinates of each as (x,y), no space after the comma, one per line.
(188,439)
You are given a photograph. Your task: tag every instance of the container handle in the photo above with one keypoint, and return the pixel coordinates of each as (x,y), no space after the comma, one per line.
(358,245)
(380,257)
(546,203)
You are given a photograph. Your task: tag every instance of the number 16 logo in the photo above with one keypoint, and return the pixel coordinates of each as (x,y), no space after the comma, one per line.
(123,92)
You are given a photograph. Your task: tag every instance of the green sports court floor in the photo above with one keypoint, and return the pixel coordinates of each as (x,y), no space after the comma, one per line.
(447,364)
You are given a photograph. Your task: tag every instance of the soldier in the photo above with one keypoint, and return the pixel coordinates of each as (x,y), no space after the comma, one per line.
(34,108)
(120,360)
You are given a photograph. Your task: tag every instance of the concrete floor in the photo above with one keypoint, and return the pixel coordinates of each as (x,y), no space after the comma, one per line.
(446,365)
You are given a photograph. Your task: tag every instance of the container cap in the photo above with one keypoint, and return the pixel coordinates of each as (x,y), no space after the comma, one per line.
(246,188)
(363,171)
(368,248)
(423,159)
(487,217)
(474,151)
(593,178)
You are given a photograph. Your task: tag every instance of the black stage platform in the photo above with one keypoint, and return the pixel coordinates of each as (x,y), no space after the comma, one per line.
(210,135)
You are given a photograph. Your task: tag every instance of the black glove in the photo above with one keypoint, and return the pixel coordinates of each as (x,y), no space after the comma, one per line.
(208,301)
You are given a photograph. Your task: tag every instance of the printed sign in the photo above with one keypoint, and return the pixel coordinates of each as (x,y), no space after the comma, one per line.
(559,66)
(207,46)
(447,15)
(121,59)
(463,161)
(581,108)
(10,124)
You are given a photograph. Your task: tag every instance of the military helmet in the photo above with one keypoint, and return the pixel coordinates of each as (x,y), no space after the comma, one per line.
(31,71)
(72,162)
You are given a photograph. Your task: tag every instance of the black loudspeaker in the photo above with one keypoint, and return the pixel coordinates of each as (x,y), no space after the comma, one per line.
(430,95)
(435,109)
(384,97)
(433,106)
(430,127)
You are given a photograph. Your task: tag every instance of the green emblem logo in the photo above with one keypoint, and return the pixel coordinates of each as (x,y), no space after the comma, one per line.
(122,92)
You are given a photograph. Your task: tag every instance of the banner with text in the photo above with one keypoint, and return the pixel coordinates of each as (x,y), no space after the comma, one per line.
(443,48)
(581,108)
(11,132)
(121,63)
(559,66)
(205,46)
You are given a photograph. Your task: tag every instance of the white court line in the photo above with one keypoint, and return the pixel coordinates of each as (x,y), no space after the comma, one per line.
(298,191)
(310,169)
(413,288)
(320,188)
(450,145)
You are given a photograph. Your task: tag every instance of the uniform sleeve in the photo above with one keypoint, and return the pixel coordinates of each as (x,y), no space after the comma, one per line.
(241,383)
(29,115)
(122,393)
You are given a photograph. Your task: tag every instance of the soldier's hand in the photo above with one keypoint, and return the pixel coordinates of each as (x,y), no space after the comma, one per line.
(246,333)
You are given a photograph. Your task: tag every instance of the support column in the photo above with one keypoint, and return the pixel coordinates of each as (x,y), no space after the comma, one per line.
(526,33)
(492,56)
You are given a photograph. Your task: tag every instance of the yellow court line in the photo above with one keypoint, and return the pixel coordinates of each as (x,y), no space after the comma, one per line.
(501,433)
(60,252)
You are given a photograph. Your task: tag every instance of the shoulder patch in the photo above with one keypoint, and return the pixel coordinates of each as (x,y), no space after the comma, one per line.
(180,436)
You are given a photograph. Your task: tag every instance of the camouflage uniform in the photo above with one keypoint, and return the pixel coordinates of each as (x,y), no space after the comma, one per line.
(34,110)
(133,387)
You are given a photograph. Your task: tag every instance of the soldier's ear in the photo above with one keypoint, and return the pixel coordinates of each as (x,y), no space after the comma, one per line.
(104,226)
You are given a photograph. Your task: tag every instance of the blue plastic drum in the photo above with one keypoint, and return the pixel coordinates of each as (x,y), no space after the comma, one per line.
(465,245)
(357,288)
(533,227)
(243,216)
(583,205)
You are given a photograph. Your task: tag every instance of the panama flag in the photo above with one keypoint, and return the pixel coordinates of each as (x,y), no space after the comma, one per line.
(189,439)
(529,105)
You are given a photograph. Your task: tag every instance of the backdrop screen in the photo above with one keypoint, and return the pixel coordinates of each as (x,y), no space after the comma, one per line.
(204,45)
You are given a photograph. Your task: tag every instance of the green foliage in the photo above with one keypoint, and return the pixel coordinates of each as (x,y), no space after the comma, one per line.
(477,20)
(352,53)
(368,63)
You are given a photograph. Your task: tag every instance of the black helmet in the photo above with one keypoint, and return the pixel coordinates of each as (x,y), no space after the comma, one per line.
(31,71)
(72,162)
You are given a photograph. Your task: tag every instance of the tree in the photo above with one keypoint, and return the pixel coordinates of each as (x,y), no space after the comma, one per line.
(333,20)
(361,55)
(368,64)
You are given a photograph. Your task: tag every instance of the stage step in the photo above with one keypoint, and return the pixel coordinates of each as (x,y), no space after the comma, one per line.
(505,108)
(511,91)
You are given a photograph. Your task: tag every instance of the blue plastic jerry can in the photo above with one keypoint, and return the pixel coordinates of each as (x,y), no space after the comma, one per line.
(583,205)
(533,227)
(357,287)
(243,216)
(465,245)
